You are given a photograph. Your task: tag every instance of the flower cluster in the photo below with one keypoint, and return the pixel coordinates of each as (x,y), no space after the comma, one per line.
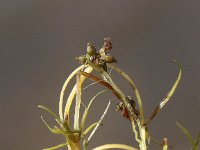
(98,59)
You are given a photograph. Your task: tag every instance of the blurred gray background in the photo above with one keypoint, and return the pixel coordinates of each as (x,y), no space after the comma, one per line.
(39,40)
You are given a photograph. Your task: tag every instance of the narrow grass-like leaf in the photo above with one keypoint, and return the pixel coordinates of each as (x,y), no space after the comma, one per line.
(88,129)
(99,80)
(52,130)
(171,92)
(64,125)
(64,88)
(134,88)
(56,147)
(99,122)
(72,94)
(196,142)
(84,117)
(167,97)
(85,144)
(83,105)
(114,146)
(96,79)
(78,102)
(186,132)
(51,112)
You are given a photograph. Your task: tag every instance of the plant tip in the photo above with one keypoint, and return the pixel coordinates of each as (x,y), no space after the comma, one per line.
(174,61)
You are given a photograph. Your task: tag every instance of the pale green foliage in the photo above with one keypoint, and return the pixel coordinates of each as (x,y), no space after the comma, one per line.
(193,141)
(100,62)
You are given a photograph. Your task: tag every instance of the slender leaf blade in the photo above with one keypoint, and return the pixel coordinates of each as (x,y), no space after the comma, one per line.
(56,147)
(186,132)
(88,129)
(167,97)
(85,114)
(51,112)
(114,146)
(78,102)
(64,88)
(52,130)
(72,94)
(196,142)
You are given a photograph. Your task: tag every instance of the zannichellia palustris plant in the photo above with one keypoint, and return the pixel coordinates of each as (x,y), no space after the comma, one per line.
(77,135)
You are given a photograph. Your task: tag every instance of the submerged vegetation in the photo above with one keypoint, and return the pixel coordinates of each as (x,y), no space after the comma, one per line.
(78,136)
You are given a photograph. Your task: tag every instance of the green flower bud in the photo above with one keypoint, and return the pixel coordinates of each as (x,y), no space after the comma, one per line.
(109,59)
(91,50)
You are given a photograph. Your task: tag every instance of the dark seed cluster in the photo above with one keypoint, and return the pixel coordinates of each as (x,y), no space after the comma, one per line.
(124,110)
(100,58)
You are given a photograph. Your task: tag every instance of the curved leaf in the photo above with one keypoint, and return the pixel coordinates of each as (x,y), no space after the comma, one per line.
(196,142)
(56,147)
(64,87)
(72,94)
(88,107)
(114,146)
(186,132)
(99,122)
(167,97)
(77,102)
(52,130)
(88,129)
(51,112)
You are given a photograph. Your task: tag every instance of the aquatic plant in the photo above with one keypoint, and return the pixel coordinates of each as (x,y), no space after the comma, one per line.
(75,133)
